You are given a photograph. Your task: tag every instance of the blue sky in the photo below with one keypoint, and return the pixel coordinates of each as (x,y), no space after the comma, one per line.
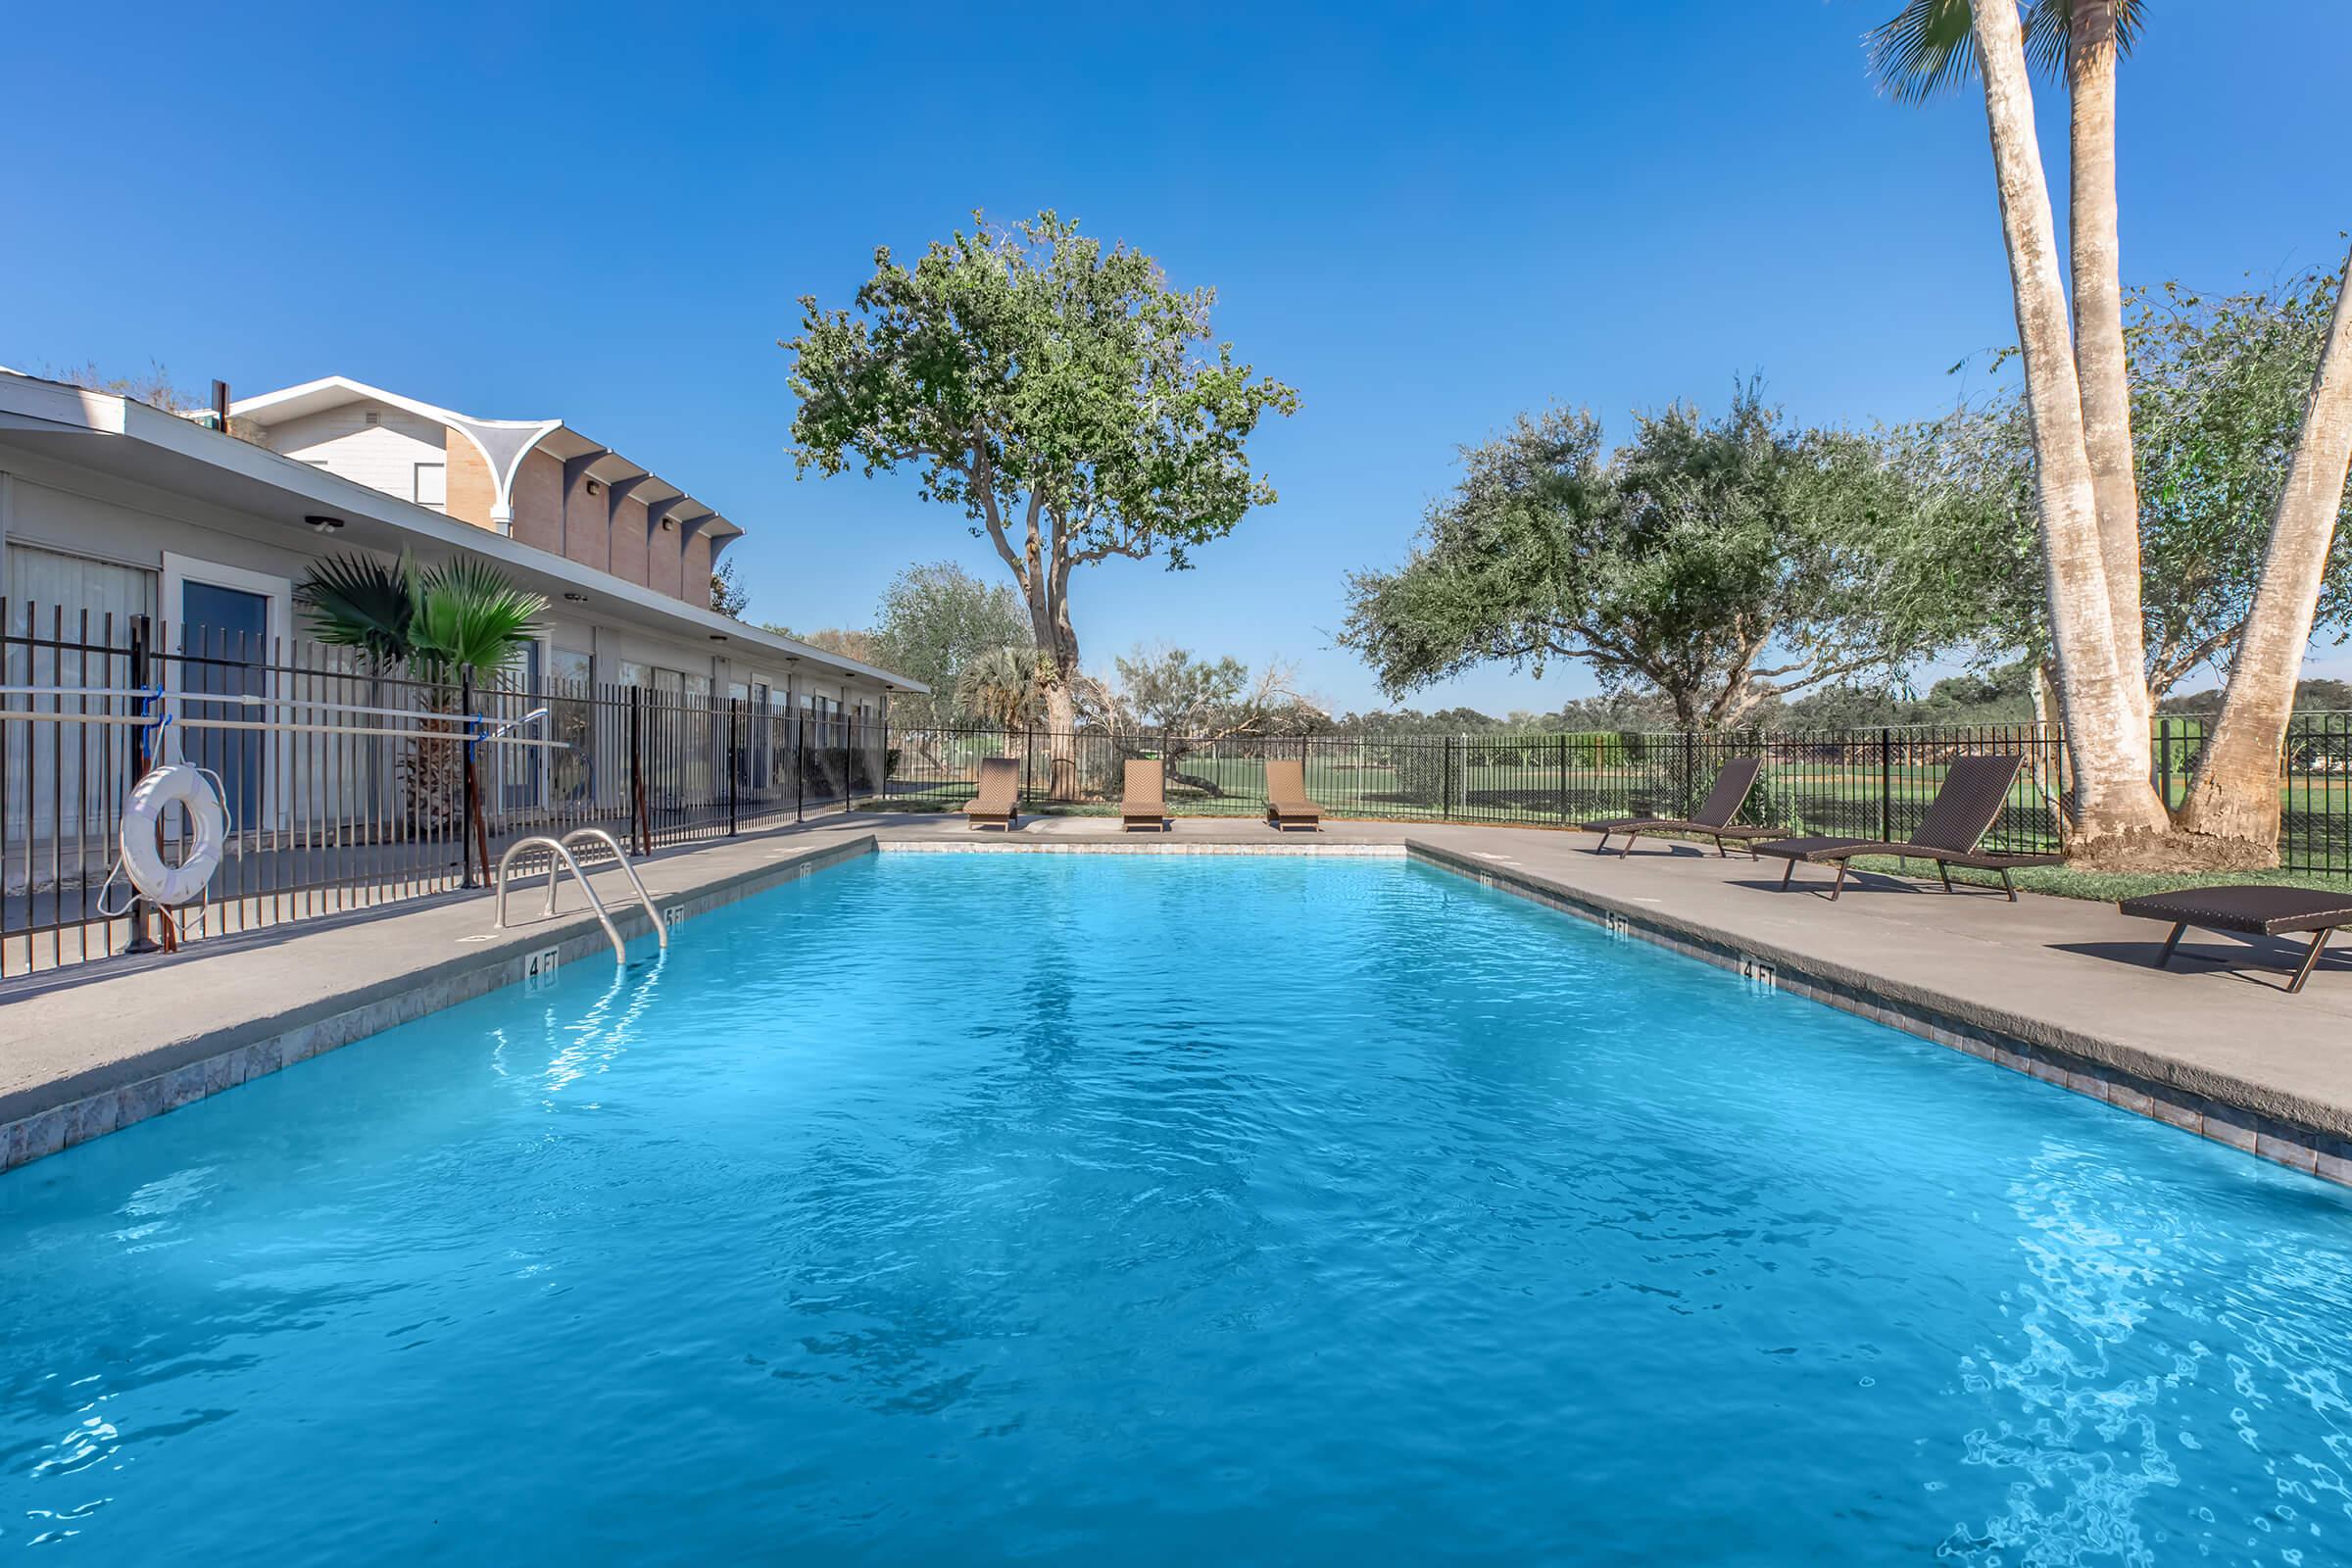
(1425,219)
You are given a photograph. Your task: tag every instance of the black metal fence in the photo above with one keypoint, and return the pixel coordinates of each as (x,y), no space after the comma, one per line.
(345,787)
(349,787)
(2315,785)
(1873,783)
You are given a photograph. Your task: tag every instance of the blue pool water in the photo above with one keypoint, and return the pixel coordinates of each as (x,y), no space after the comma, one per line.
(1096,1210)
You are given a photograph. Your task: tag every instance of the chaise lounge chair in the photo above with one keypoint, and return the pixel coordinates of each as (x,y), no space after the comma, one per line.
(999,800)
(1287,804)
(1713,820)
(2250,910)
(1975,788)
(1143,801)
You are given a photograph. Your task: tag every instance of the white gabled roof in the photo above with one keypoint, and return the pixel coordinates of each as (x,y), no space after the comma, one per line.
(503,444)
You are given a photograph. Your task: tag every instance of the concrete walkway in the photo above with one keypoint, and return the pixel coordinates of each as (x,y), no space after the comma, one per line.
(2058,988)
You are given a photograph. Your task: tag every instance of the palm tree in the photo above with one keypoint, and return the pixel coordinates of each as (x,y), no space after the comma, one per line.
(471,619)
(2232,804)
(362,602)
(1932,46)
(2101,683)
(463,618)
(1006,686)
(2233,796)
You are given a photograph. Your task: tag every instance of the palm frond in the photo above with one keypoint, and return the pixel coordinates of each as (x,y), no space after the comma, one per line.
(1004,685)
(470,616)
(362,602)
(1925,49)
(2049,31)
(1930,46)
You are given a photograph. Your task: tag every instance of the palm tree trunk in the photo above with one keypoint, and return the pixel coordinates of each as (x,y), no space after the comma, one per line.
(2100,367)
(2235,795)
(2106,735)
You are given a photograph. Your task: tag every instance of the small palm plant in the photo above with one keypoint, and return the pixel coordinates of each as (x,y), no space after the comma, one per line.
(471,619)
(1004,686)
(365,603)
(461,619)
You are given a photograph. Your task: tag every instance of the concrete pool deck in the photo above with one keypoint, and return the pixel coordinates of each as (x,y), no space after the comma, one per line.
(2057,988)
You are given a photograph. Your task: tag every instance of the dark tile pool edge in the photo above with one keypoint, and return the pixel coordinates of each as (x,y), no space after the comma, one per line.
(2010,1041)
(269,1045)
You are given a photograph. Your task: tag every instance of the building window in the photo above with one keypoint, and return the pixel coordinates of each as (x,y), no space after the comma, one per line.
(49,580)
(433,485)
(575,668)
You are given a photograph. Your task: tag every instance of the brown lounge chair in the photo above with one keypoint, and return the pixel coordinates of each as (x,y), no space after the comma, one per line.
(2252,910)
(1713,818)
(1975,788)
(1287,804)
(999,800)
(1143,801)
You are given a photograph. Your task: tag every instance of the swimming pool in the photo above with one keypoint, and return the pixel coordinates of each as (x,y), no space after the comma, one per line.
(1102,1208)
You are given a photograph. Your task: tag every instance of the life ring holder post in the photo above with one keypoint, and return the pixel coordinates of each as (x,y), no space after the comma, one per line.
(143,677)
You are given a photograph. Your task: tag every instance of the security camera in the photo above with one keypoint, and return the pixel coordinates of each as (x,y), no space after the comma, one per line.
(320,525)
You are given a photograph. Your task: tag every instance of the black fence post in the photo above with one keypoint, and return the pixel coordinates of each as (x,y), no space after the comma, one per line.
(640,819)
(2164,761)
(1028,763)
(2053,739)
(848,764)
(1446,782)
(800,766)
(141,663)
(734,755)
(1563,778)
(465,817)
(1689,801)
(1886,785)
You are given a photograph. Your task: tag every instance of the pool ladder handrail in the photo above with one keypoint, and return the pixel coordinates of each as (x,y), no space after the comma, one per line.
(559,857)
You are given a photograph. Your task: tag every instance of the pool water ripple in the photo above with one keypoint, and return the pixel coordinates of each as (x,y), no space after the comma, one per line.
(1144,1209)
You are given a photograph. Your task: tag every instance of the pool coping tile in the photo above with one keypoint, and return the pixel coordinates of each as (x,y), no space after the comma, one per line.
(41,1131)
(2315,1150)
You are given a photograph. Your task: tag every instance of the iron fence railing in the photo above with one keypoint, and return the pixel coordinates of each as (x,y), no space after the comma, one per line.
(347,787)
(2315,784)
(350,787)
(1873,783)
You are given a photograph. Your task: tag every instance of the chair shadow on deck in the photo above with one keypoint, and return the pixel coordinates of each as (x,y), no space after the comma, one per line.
(1859,880)
(2266,962)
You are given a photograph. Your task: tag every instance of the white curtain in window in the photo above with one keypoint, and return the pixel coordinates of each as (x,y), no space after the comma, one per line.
(40,580)
(65,773)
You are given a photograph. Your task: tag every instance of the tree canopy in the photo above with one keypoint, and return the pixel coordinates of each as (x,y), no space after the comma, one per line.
(2218,390)
(1721,563)
(1058,392)
(935,618)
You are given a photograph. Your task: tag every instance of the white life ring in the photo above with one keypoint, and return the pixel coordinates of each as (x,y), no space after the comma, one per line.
(184,883)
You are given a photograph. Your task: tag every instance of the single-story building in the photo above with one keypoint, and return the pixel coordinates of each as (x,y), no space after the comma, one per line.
(636,703)
(113,507)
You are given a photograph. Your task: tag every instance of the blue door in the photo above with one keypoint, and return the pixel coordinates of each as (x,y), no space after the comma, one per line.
(224,649)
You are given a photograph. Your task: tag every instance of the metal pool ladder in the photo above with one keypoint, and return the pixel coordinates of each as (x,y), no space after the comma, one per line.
(559,857)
